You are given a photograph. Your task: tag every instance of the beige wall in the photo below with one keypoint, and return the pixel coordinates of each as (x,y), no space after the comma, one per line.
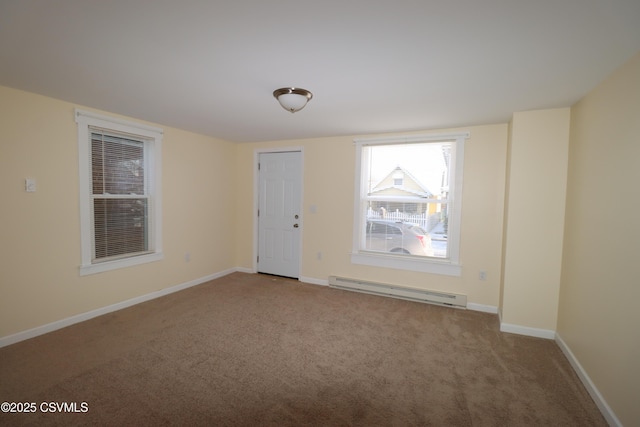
(40,232)
(329,185)
(535,209)
(599,316)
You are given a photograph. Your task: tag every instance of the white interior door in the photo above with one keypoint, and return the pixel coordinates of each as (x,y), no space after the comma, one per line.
(279,213)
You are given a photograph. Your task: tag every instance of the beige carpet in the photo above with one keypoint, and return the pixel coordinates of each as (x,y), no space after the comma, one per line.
(254,350)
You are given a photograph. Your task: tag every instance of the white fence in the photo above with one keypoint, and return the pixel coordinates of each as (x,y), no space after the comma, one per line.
(428,222)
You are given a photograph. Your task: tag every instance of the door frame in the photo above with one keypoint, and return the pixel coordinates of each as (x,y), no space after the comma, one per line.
(256,200)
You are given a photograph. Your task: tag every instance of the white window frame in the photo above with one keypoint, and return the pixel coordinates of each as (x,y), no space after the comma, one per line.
(451,266)
(152,138)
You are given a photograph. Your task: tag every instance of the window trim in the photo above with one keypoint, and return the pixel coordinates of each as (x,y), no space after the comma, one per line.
(153,156)
(451,266)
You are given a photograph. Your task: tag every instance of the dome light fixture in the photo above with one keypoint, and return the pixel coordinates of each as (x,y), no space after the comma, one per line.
(292,99)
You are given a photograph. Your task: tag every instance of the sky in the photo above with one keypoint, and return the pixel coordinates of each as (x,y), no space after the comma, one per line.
(424,161)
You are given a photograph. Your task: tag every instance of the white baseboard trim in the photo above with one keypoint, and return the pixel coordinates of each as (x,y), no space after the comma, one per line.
(313,281)
(525,330)
(605,409)
(483,308)
(59,324)
(244,270)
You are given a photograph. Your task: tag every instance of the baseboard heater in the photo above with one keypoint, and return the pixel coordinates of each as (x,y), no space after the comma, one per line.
(402,292)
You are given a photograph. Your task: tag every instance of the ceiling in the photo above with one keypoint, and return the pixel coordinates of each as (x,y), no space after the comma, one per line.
(373,65)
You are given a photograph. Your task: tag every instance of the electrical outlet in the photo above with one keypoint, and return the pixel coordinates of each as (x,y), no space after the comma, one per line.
(187,256)
(482,275)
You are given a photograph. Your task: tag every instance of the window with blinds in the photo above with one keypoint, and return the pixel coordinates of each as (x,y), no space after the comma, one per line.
(120,192)
(119,196)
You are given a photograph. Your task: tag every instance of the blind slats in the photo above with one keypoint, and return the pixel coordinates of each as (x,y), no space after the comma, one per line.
(120,200)
(117,165)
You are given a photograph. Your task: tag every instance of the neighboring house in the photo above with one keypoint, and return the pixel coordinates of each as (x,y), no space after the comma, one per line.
(397,184)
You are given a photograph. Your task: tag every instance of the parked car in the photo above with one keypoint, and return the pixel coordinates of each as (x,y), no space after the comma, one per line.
(399,237)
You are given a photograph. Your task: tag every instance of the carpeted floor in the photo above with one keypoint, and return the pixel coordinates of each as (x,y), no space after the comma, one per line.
(254,350)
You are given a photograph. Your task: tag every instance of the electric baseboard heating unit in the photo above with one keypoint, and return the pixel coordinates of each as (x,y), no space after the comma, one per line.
(411,294)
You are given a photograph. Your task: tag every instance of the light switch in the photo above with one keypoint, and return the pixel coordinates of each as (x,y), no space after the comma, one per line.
(30,185)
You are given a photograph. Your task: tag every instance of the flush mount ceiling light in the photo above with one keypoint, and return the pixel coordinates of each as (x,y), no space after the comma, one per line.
(292,99)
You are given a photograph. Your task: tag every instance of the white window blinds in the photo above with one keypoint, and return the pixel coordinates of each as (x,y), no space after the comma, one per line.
(119,196)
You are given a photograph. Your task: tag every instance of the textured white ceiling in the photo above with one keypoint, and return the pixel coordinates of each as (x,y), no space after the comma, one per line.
(372,65)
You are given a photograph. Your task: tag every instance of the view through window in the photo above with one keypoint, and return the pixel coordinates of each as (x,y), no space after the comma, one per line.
(405,196)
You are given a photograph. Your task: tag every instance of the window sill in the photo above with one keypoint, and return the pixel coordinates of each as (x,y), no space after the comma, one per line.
(121,263)
(405,263)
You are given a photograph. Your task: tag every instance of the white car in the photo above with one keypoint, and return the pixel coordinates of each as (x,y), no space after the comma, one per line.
(398,237)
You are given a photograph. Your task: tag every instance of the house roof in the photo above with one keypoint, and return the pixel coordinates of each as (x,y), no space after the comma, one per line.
(373,66)
(423,192)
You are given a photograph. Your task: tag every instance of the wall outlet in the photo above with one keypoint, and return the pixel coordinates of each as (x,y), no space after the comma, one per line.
(482,275)
(187,256)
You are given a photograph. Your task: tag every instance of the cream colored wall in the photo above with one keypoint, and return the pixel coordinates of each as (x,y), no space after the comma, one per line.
(40,232)
(329,185)
(600,289)
(534,228)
